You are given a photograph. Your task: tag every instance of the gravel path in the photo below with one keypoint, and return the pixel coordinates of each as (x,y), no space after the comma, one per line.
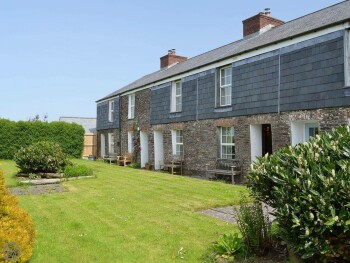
(38,189)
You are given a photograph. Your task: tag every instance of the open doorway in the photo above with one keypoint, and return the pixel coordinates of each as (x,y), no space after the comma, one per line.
(260,140)
(266,137)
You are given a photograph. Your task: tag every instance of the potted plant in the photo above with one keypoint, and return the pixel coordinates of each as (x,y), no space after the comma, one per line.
(148,166)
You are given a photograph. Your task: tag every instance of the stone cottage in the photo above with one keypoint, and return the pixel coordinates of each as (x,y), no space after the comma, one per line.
(280,84)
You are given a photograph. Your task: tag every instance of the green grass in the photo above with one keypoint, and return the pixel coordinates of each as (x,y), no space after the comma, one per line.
(126,215)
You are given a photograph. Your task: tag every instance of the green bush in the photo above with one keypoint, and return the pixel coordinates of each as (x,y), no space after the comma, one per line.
(41,157)
(228,246)
(254,225)
(309,186)
(14,135)
(77,170)
(16,226)
(135,165)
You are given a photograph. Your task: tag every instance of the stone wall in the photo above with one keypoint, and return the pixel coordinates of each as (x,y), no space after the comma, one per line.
(202,141)
(141,120)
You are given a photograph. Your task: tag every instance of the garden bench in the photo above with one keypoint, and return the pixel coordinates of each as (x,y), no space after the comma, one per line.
(176,163)
(226,167)
(111,157)
(125,159)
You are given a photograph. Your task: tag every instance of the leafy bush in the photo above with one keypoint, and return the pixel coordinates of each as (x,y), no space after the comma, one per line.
(41,157)
(228,246)
(14,135)
(77,170)
(309,186)
(254,225)
(15,224)
(135,165)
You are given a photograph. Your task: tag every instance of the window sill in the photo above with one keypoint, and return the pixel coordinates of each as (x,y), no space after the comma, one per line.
(223,108)
(175,114)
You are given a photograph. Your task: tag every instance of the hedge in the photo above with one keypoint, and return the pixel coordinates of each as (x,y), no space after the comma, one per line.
(16,226)
(15,135)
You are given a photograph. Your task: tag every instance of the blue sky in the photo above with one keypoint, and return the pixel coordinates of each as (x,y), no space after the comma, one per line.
(59,57)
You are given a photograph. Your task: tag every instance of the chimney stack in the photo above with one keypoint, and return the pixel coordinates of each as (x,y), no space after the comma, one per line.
(260,23)
(171,59)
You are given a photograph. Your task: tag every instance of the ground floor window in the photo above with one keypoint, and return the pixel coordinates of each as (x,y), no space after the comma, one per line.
(227,141)
(177,140)
(302,131)
(130,142)
(111,143)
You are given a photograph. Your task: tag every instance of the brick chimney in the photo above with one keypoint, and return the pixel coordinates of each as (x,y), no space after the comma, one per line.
(260,23)
(170,59)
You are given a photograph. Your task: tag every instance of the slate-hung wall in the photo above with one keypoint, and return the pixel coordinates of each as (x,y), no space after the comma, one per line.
(313,76)
(307,75)
(102,115)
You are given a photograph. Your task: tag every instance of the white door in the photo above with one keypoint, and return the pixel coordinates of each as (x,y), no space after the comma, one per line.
(158,150)
(255,141)
(144,148)
(103,145)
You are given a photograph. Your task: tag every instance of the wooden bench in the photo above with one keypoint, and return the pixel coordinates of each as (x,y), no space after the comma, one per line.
(124,160)
(226,167)
(176,163)
(111,157)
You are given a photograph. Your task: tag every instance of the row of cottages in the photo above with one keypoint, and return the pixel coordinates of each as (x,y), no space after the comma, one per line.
(279,85)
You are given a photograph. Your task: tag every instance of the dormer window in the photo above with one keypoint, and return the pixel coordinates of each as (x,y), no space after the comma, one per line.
(225,84)
(176,96)
(111,111)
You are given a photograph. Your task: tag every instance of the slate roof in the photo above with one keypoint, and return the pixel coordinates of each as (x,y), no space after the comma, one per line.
(326,17)
(89,124)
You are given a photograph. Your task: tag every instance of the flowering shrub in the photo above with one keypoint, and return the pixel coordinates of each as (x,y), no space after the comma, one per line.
(309,186)
(41,157)
(15,225)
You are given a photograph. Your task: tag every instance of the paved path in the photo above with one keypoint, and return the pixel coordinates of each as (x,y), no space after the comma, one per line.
(226,213)
(38,189)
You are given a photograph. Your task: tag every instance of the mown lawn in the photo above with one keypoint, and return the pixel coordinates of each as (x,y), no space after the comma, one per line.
(126,215)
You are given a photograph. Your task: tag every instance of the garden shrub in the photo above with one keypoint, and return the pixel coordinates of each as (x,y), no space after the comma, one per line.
(15,225)
(309,186)
(254,225)
(14,135)
(135,165)
(77,170)
(41,157)
(227,247)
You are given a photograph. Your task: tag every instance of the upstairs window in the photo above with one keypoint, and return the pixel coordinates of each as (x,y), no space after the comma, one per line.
(178,144)
(227,140)
(131,110)
(225,81)
(111,111)
(176,97)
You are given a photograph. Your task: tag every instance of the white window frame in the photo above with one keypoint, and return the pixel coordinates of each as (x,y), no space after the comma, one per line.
(111,111)
(130,142)
(226,87)
(111,143)
(177,142)
(226,144)
(176,98)
(131,106)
